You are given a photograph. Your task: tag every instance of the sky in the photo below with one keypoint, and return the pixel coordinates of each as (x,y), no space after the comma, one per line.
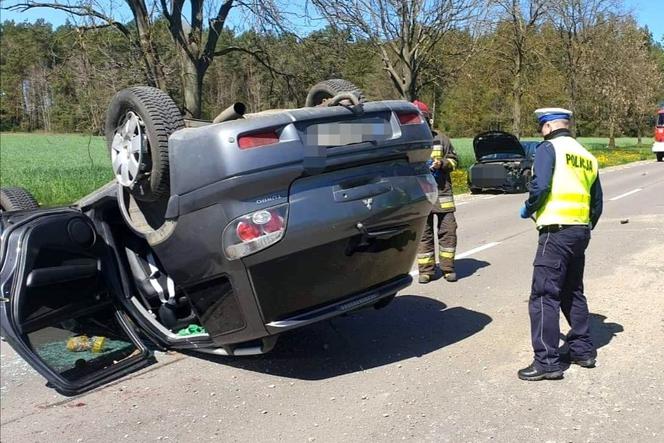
(647,12)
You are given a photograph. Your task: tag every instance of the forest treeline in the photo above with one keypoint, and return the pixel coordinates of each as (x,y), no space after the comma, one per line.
(489,72)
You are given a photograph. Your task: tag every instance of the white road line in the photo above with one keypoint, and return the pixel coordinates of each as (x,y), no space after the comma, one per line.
(634,191)
(474,198)
(414,272)
(475,250)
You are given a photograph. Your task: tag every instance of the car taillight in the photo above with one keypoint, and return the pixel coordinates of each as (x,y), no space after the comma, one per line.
(247,231)
(254,232)
(258,139)
(410,118)
(429,187)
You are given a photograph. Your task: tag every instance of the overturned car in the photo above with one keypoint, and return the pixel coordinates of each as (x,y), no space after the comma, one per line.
(217,236)
(503,163)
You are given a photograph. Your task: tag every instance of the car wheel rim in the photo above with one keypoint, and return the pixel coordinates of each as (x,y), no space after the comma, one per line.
(127,150)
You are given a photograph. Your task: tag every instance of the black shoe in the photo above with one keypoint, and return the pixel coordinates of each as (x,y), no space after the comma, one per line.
(583,362)
(531,373)
(588,363)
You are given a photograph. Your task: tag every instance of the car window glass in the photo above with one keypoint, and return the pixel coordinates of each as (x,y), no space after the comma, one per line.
(82,345)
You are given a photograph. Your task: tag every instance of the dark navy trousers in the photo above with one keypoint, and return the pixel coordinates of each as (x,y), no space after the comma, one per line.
(558,285)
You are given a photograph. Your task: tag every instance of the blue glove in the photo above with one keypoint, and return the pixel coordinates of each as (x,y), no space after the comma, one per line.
(523,212)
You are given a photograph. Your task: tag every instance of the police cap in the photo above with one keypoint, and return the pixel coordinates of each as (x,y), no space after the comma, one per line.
(550,114)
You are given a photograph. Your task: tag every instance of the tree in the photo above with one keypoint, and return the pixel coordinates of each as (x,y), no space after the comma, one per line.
(195,39)
(404,33)
(574,19)
(619,74)
(522,18)
(25,62)
(648,81)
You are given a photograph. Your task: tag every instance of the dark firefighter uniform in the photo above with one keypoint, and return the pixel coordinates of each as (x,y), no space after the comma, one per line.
(443,151)
(566,202)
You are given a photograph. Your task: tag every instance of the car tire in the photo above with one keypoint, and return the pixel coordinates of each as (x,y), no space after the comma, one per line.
(16,199)
(139,122)
(660,156)
(327,89)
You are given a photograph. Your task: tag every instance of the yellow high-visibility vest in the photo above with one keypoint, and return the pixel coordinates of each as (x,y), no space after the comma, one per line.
(575,172)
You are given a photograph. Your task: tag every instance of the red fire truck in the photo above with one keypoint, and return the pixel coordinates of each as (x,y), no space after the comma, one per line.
(658,146)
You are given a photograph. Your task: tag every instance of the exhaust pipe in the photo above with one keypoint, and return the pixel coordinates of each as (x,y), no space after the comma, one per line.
(233,112)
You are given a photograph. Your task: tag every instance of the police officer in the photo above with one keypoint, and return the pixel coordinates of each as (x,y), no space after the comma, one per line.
(443,161)
(566,202)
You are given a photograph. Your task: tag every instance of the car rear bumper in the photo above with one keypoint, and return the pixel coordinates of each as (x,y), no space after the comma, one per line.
(658,147)
(348,304)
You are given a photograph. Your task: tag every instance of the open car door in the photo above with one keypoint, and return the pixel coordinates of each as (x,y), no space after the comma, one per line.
(60,287)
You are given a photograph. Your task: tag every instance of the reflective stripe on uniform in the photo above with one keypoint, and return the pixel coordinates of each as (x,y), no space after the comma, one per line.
(454,163)
(447,252)
(426,261)
(426,258)
(446,201)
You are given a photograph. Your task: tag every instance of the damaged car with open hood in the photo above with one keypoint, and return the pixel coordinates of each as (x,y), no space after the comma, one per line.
(503,163)
(216,236)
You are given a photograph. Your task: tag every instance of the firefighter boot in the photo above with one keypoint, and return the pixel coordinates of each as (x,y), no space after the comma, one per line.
(451,276)
(424,279)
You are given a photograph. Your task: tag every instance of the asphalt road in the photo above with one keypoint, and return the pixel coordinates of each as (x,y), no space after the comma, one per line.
(438,364)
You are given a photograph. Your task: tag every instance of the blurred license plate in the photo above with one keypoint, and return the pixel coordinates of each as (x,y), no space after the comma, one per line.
(348,133)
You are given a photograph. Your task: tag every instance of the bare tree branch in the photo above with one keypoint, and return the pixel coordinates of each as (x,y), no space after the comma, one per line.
(259,55)
(76,10)
(404,33)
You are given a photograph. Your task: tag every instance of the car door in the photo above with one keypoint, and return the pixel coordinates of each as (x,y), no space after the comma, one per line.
(60,310)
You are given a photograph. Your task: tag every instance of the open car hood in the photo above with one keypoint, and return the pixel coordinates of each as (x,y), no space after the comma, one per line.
(497,142)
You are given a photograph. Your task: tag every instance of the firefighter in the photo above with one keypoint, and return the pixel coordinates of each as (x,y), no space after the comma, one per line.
(566,202)
(443,161)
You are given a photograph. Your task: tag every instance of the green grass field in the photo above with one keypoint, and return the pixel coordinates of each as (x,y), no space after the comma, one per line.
(57,168)
(60,168)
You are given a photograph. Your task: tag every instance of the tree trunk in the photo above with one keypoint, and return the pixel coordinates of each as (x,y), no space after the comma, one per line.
(612,135)
(516,105)
(150,57)
(572,105)
(192,86)
(155,69)
(639,132)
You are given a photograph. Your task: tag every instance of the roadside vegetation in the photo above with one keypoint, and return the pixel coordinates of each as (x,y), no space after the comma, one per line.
(480,64)
(60,168)
(57,169)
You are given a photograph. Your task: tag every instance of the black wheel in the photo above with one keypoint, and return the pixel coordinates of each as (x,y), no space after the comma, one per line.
(138,123)
(660,156)
(16,199)
(327,89)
